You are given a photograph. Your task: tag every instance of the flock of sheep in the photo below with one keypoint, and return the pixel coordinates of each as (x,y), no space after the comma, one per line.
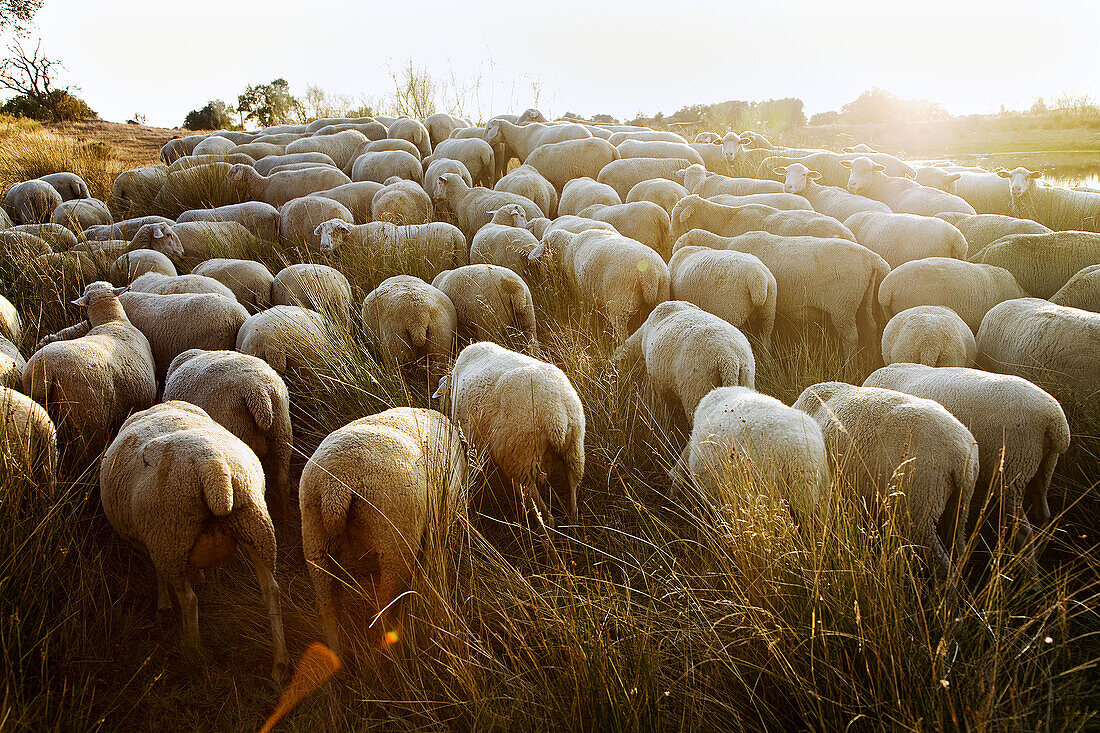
(694,253)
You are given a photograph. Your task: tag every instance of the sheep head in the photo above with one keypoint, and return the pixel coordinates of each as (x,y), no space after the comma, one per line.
(494,132)
(441,389)
(796,177)
(732,144)
(1019,180)
(332,233)
(510,214)
(863,173)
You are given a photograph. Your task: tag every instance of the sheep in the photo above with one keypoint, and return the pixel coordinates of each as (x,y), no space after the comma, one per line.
(322,122)
(1051,345)
(79,214)
(257,150)
(125,229)
(439,245)
(91,376)
(191,243)
(28,445)
(620,277)
(473,207)
(781,201)
(402,202)
(1081,291)
(732,285)
(572,224)
(527,182)
(214,145)
(645,135)
(12,365)
(1056,207)
(379,167)
(476,155)
(319,287)
(441,125)
(57,236)
(967,288)
(17,247)
(903,195)
(623,174)
(910,451)
(489,301)
(504,240)
(137,262)
(526,418)
(260,218)
(410,319)
(928,334)
(355,197)
(374,130)
(1020,430)
(175,323)
(834,167)
(342,147)
(735,430)
(658,149)
(713,160)
(564,161)
(1043,263)
(433,184)
(685,352)
(381,146)
(247,397)
(817,278)
(523,140)
(69,185)
(660,191)
(154,282)
(264,166)
(405,128)
(699,181)
(900,238)
(695,212)
(180,146)
(31,202)
(299,218)
(936,177)
(580,193)
(830,200)
(135,188)
(249,280)
(981,230)
(185,489)
(370,496)
(196,161)
(643,221)
(11,325)
(279,188)
(742,159)
(287,337)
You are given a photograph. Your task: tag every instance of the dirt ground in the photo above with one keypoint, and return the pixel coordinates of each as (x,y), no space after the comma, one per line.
(136,144)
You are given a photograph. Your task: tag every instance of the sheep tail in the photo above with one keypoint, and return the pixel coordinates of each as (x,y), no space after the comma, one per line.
(730,373)
(335,505)
(649,288)
(418,336)
(758,291)
(259,403)
(217,486)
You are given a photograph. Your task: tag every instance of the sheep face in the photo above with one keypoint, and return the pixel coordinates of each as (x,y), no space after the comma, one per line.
(332,234)
(732,145)
(863,173)
(166,241)
(531,115)
(97,292)
(796,177)
(708,137)
(1019,180)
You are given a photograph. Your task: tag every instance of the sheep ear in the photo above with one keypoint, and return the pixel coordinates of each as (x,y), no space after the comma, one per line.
(846,163)
(813,175)
(879,167)
(82,301)
(442,387)
(848,150)
(1003,173)
(780,171)
(1036,174)
(119,291)
(685,213)
(158,232)
(745,140)
(952,177)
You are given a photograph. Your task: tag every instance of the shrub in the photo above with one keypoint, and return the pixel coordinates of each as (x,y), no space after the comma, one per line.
(58,106)
(216,115)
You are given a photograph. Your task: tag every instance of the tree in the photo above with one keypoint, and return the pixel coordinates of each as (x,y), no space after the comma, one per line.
(269,104)
(413,92)
(879,105)
(16,15)
(32,78)
(216,115)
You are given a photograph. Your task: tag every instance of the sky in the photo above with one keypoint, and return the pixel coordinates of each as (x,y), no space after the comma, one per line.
(162,59)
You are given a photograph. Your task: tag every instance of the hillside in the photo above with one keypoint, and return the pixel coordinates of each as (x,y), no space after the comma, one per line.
(132,144)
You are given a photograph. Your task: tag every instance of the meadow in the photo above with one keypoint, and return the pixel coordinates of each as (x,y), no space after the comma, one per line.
(652,612)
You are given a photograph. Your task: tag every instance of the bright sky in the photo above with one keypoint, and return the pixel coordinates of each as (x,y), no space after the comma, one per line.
(162,59)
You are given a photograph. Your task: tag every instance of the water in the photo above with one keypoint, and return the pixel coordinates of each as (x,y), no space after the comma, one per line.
(1059,167)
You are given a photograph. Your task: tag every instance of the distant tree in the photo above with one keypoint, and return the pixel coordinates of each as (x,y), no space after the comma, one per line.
(832,117)
(413,92)
(16,15)
(216,115)
(604,120)
(33,79)
(269,104)
(879,105)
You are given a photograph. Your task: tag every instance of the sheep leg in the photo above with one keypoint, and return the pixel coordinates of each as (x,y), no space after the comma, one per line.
(532,498)
(164,601)
(269,589)
(937,553)
(189,607)
(1035,495)
(326,607)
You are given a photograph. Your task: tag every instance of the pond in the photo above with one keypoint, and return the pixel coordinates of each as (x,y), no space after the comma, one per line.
(1059,167)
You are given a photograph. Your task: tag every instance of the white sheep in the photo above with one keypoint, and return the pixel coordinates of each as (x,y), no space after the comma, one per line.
(834,167)
(248,398)
(191,243)
(476,156)
(623,174)
(1020,429)
(28,445)
(384,164)
(214,145)
(658,149)
(526,181)
(817,278)
(1081,291)
(92,375)
(188,491)
(699,181)
(580,193)
(504,240)
(319,287)
(909,451)
(523,140)
(781,201)
(1051,345)
(355,197)
(288,337)
(12,364)
(406,128)
(136,188)
(686,352)
(565,161)
(264,166)
(69,185)
(695,212)
(402,202)
(434,185)
(831,200)
(931,335)
(299,218)
(1043,263)
(278,188)
(645,135)
(249,280)
(371,495)
(155,282)
(473,207)
(982,230)
(11,325)
(125,229)
(643,221)
(32,201)
(737,431)
(732,285)
(660,191)
(525,416)
(1054,206)
(58,236)
(967,288)
(260,218)
(410,319)
(903,195)
(489,301)
(342,146)
(899,238)
(441,125)
(135,263)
